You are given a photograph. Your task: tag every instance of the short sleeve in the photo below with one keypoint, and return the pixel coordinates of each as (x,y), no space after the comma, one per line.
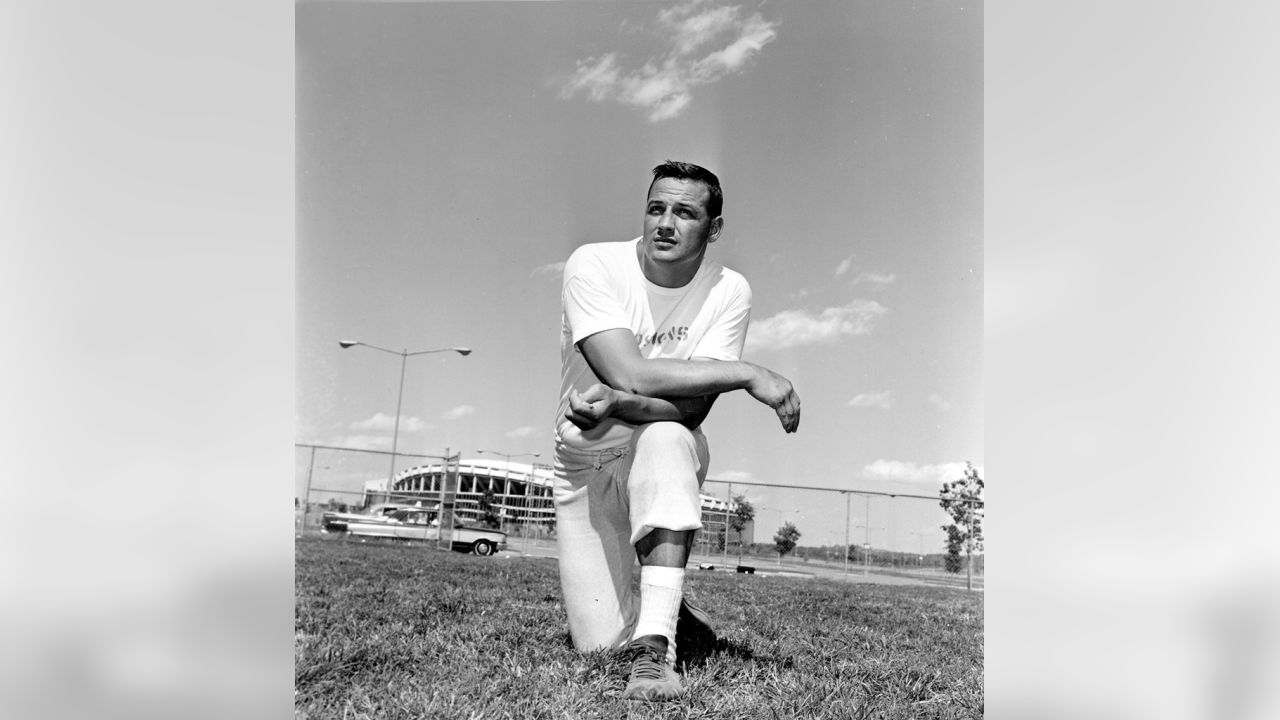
(727,335)
(591,304)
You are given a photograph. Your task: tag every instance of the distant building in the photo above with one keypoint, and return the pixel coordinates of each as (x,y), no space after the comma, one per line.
(522,494)
(373,488)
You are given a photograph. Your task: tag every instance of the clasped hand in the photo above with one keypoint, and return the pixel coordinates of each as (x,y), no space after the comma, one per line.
(590,407)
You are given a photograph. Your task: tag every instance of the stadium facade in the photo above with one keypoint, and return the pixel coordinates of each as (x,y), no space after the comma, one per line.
(520,494)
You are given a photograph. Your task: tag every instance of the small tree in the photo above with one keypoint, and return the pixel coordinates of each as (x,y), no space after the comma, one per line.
(784,541)
(743,513)
(489,510)
(963,500)
(955,544)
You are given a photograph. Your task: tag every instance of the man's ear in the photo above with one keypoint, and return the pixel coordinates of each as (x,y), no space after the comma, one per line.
(716,226)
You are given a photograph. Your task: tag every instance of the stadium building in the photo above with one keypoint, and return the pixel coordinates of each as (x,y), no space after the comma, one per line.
(520,495)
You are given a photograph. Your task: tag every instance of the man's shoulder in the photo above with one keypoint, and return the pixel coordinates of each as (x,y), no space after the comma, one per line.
(601,254)
(605,248)
(727,278)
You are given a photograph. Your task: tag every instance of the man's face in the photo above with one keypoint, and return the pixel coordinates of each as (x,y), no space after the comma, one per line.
(677,228)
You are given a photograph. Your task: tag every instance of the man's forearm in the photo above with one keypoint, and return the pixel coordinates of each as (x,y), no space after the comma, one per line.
(615,360)
(689,412)
(663,377)
(668,378)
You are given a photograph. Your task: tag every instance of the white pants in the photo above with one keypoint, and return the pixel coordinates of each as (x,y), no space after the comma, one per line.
(608,500)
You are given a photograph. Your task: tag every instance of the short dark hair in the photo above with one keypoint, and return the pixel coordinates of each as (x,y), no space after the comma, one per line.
(689,171)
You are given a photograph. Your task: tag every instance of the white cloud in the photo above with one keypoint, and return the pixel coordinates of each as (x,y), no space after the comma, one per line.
(734,476)
(523,431)
(381,421)
(459,412)
(364,442)
(900,471)
(754,33)
(555,269)
(879,400)
(663,84)
(794,328)
(377,422)
(878,279)
(695,30)
(844,266)
(939,402)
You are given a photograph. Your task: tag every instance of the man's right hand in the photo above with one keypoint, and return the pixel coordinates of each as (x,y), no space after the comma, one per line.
(776,391)
(589,408)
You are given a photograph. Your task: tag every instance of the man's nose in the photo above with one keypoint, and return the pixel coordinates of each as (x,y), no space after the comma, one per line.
(667,221)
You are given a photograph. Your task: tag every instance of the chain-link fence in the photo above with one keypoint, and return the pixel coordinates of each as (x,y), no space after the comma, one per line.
(854,532)
(845,532)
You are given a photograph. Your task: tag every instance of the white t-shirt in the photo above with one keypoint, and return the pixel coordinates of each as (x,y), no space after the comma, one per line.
(604,288)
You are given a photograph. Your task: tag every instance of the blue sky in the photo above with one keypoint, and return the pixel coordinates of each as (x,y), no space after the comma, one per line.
(451,156)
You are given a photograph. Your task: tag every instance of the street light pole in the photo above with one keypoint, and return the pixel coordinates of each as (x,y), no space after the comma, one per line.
(404,359)
(920,537)
(395,432)
(780,514)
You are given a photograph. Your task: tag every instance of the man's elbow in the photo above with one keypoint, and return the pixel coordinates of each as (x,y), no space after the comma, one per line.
(694,411)
(628,381)
(693,422)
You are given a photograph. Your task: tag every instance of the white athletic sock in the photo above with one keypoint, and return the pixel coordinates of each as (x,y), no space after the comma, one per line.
(660,591)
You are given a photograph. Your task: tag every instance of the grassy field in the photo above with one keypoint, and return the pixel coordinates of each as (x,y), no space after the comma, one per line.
(393,631)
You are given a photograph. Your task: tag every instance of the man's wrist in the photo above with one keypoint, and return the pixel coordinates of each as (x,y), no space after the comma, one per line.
(624,403)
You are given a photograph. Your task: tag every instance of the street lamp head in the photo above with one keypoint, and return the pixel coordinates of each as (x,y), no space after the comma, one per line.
(348,343)
(462,351)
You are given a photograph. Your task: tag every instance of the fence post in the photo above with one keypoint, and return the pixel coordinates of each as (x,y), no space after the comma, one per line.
(728,500)
(968,559)
(306,500)
(448,499)
(866,542)
(846,532)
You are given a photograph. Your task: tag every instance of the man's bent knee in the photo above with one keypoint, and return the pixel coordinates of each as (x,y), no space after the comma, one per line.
(664,433)
(666,452)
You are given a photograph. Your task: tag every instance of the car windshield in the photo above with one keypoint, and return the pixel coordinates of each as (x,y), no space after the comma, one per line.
(415,517)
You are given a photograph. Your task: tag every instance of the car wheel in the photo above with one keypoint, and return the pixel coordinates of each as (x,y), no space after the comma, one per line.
(483,548)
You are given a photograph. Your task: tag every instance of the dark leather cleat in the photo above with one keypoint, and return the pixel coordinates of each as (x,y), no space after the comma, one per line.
(652,677)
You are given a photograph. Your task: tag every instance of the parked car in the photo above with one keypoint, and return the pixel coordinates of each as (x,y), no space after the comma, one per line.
(337,521)
(420,523)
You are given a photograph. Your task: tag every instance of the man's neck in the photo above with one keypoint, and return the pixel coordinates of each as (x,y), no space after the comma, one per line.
(670,275)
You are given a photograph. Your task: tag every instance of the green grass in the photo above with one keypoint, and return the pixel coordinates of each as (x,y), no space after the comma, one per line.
(387,631)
